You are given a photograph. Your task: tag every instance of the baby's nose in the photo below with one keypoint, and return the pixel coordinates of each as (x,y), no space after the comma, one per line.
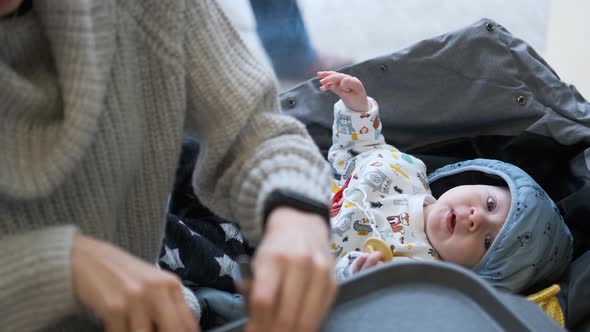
(474,219)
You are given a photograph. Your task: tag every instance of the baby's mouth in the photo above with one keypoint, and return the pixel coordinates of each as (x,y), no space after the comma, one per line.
(451,221)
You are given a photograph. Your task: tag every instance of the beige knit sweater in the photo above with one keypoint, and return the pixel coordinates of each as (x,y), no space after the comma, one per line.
(94,96)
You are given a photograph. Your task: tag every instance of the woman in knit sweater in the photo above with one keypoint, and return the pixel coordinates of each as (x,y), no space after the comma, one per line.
(95,97)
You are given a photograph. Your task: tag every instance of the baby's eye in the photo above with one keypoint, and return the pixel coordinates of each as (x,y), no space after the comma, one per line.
(491,204)
(487,243)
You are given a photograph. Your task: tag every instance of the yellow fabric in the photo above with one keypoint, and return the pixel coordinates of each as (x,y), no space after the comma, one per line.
(548,301)
(335,187)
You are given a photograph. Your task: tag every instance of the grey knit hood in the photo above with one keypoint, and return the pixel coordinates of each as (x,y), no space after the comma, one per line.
(534,245)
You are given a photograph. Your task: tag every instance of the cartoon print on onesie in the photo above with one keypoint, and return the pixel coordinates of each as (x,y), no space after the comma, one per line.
(343,224)
(407,158)
(376,205)
(422,178)
(336,249)
(344,124)
(398,223)
(362,226)
(433,253)
(377,180)
(376,124)
(349,222)
(349,169)
(387,235)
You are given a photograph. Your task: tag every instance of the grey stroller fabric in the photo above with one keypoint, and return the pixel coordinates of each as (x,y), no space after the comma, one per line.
(478,92)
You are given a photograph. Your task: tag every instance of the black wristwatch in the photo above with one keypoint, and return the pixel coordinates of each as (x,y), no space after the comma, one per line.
(283,197)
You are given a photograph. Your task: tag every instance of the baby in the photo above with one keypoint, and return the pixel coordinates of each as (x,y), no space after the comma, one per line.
(485,215)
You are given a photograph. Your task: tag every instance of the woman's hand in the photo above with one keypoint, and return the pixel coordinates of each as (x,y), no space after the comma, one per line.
(294,283)
(350,89)
(126,293)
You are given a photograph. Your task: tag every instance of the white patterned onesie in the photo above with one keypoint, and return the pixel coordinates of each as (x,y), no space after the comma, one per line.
(380,191)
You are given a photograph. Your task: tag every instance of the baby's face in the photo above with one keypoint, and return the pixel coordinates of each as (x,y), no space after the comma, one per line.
(465,220)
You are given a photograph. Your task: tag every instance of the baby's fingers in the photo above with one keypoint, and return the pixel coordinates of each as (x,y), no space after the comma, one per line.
(359,262)
(326,87)
(333,78)
(325,73)
(373,259)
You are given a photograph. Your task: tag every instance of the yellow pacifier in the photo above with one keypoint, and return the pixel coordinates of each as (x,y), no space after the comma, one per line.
(375,244)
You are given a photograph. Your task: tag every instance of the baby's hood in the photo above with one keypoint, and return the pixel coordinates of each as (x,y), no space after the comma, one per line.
(534,245)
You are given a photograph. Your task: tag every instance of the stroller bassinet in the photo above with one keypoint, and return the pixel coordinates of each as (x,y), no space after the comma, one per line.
(474,93)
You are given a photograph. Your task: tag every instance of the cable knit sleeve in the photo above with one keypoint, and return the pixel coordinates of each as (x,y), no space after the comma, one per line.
(248,148)
(42,292)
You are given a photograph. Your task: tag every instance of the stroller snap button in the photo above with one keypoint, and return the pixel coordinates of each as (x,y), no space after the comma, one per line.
(521,100)
(291,102)
(490,26)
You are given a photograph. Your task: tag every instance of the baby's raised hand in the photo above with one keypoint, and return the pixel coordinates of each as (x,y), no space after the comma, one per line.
(349,88)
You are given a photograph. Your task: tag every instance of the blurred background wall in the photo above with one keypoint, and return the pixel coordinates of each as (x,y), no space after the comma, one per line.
(361,29)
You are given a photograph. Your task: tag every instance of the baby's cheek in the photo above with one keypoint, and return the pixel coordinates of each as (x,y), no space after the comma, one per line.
(470,257)
(460,252)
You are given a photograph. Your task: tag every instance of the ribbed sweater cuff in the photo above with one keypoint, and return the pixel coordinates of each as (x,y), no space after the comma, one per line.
(299,170)
(35,278)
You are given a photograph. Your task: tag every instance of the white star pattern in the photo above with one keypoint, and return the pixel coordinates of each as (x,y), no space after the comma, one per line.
(193,233)
(228,267)
(172,258)
(231,232)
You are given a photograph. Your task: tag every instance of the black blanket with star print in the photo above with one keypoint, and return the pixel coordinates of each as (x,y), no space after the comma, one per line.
(198,246)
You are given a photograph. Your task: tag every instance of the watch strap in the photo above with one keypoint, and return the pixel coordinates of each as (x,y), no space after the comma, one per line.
(282,197)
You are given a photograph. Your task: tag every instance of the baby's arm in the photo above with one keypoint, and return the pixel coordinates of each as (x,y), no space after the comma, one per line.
(349,88)
(357,127)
